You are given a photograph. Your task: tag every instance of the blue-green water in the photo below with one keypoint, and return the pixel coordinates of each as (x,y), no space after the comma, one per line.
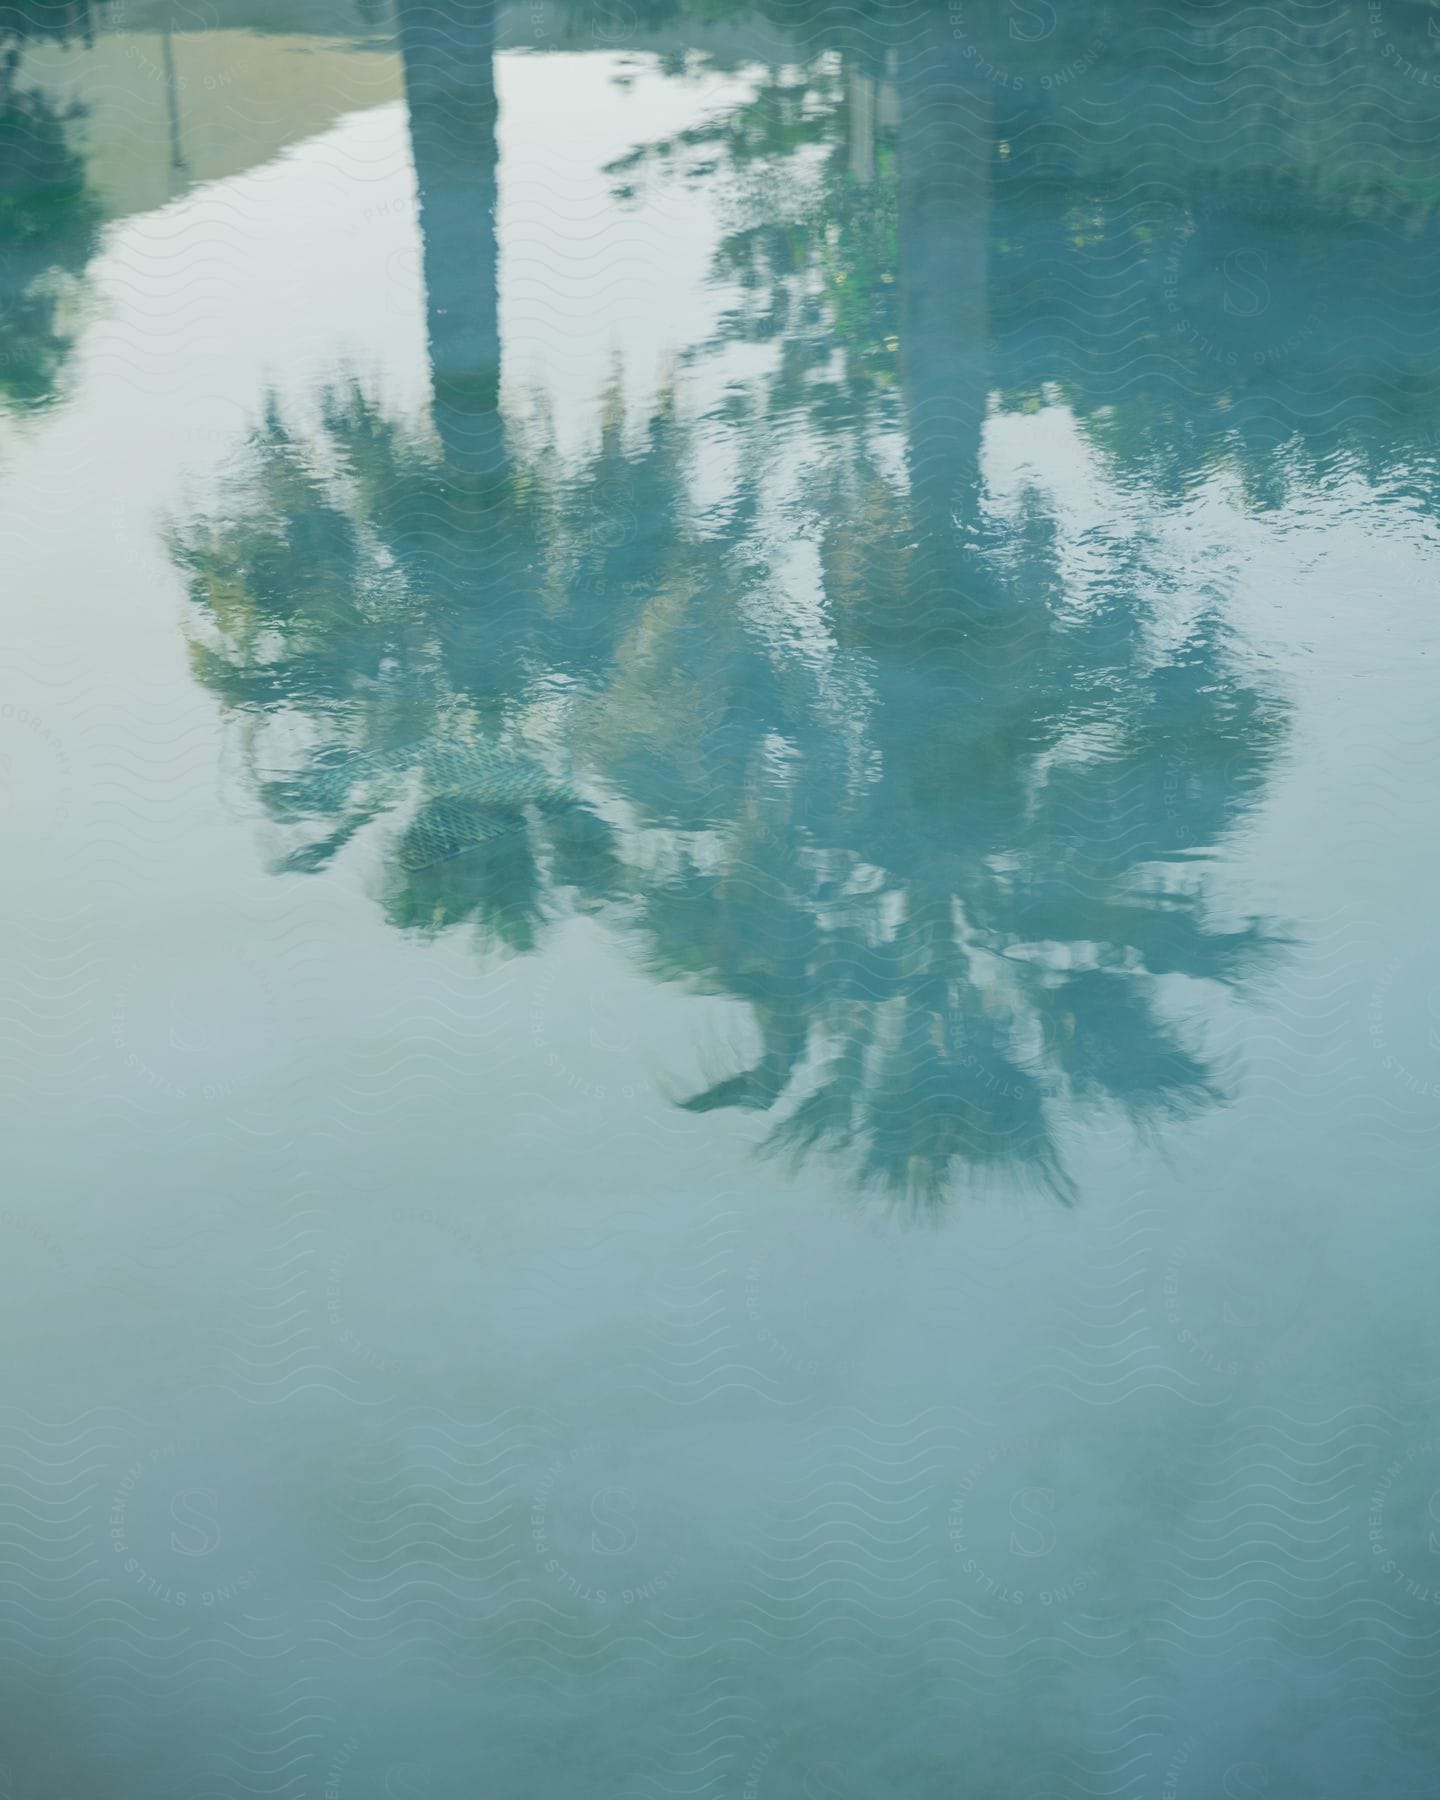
(721,1037)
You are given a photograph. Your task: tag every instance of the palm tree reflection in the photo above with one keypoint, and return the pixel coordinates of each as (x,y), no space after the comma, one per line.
(936,816)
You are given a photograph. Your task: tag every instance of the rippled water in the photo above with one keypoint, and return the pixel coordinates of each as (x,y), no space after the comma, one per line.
(721,1052)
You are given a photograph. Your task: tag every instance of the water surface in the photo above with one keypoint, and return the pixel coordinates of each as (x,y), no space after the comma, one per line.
(723,1021)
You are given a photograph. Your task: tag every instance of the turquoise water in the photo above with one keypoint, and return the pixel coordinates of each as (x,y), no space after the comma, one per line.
(721,1052)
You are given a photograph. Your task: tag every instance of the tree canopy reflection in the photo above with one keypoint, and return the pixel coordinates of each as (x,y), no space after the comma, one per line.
(49,218)
(864,742)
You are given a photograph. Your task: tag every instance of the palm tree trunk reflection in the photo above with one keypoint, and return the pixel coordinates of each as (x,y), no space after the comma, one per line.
(448,49)
(946,145)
